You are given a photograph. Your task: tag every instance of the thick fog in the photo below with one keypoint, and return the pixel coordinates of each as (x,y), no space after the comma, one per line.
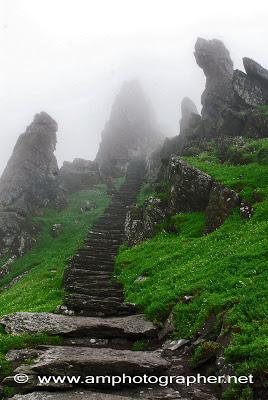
(70,57)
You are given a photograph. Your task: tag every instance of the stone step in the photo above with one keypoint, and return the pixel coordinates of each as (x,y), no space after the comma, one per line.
(92,286)
(132,327)
(109,240)
(91,268)
(111,232)
(92,251)
(67,361)
(93,282)
(87,301)
(86,258)
(98,246)
(88,306)
(90,276)
(87,267)
(103,285)
(101,293)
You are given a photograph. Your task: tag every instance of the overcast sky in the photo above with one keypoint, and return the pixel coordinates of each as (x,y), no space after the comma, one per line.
(69,58)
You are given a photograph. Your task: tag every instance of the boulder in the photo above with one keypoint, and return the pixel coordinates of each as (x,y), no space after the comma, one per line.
(222,201)
(56,230)
(5,268)
(79,175)
(141,222)
(131,131)
(133,326)
(190,187)
(213,57)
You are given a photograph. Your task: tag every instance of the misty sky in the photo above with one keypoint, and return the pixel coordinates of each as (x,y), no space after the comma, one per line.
(69,58)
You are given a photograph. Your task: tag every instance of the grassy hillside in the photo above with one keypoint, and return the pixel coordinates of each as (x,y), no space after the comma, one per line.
(225,272)
(40,289)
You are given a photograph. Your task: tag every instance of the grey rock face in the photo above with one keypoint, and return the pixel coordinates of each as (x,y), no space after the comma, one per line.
(28,183)
(130,132)
(252,87)
(255,70)
(79,175)
(190,187)
(190,190)
(141,222)
(133,326)
(222,201)
(213,57)
(247,89)
(29,178)
(190,117)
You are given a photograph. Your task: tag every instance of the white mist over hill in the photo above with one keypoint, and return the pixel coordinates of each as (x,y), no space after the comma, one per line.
(70,57)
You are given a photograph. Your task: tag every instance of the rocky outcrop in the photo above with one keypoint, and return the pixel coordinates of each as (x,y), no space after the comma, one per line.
(190,187)
(28,183)
(141,222)
(189,190)
(130,132)
(190,118)
(213,57)
(132,326)
(222,201)
(252,87)
(231,98)
(79,175)
(247,90)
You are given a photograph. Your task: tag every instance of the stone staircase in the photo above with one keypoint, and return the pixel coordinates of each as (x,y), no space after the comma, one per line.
(97,328)
(89,282)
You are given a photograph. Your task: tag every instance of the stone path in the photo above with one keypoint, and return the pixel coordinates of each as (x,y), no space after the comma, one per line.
(97,328)
(92,290)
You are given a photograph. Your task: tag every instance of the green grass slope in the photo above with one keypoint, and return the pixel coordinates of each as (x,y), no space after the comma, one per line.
(225,272)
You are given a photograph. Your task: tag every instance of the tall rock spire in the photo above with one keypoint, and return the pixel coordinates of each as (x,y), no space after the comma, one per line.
(213,57)
(28,183)
(130,132)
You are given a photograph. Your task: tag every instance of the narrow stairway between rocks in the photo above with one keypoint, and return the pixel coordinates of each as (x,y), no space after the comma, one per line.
(92,290)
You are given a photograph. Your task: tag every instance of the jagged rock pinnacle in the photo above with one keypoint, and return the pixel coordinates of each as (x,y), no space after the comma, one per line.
(213,57)
(28,182)
(130,132)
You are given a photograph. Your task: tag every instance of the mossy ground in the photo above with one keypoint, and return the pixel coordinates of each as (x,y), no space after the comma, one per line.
(41,288)
(225,272)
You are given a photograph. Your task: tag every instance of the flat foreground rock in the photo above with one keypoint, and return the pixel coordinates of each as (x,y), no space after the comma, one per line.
(133,326)
(86,361)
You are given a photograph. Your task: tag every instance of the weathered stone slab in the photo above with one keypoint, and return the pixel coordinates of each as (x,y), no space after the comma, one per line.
(86,361)
(133,326)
